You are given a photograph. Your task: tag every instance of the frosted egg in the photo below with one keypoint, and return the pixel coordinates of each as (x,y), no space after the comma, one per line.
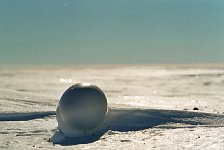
(82,108)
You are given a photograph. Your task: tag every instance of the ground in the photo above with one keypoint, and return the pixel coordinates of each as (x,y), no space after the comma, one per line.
(151,107)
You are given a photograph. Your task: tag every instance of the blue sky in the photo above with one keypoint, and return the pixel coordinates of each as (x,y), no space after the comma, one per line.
(111,31)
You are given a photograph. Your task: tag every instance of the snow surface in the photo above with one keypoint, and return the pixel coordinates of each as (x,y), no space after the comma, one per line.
(151,107)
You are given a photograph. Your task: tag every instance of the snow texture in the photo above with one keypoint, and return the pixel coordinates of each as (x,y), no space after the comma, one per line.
(150,107)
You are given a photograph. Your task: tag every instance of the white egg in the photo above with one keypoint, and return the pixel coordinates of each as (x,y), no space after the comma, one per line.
(82,109)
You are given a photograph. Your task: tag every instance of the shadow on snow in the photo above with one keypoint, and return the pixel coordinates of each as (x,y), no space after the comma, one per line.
(124,120)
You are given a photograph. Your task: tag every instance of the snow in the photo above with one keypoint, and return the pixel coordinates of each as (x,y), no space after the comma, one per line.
(150,107)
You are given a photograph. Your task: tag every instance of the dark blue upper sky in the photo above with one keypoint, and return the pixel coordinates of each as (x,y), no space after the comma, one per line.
(111,31)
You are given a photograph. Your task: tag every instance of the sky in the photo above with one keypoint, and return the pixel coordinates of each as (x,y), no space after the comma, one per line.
(111,31)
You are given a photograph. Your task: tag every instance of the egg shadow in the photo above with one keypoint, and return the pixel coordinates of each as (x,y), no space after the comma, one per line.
(124,120)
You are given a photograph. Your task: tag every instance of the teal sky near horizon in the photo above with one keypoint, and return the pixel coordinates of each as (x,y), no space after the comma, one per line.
(111,31)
